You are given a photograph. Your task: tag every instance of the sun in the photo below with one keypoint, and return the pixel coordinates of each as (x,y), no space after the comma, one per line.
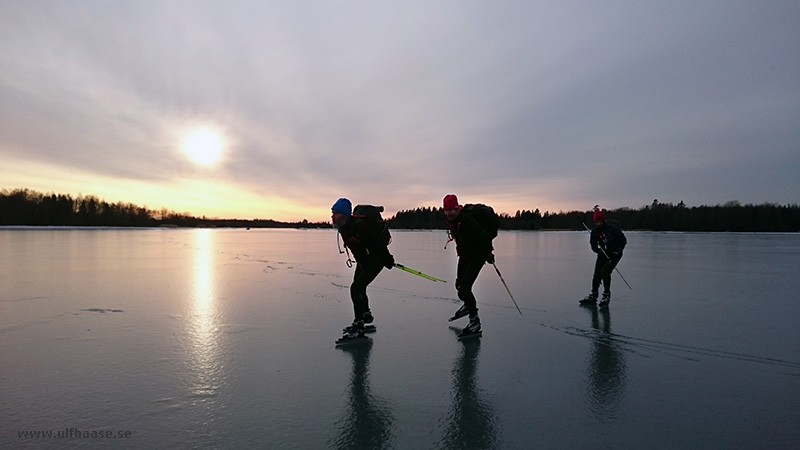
(204,146)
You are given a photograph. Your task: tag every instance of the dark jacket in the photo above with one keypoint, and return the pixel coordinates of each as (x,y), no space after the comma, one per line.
(609,237)
(472,240)
(364,242)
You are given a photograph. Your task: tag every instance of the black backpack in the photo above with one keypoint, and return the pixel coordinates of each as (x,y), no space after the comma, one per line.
(485,216)
(372,215)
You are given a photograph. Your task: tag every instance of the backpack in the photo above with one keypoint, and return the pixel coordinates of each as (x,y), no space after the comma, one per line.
(372,215)
(485,216)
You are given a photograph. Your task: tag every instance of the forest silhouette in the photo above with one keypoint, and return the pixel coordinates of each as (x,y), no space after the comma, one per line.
(25,207)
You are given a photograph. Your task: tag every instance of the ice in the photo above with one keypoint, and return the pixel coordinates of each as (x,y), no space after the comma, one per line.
(224,338)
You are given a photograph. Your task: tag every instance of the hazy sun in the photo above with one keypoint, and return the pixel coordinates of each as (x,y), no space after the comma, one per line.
(203,146)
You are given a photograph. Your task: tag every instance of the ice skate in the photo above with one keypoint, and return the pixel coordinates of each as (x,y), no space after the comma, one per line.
(353,333)
(589,299)
(460,313)
(473,329)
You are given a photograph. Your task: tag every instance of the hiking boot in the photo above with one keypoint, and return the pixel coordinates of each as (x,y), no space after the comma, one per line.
(463,311)
(367,316)
(591,298)
(606,298)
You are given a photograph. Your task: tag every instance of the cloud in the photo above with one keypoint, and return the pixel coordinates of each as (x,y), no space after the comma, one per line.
(542,105)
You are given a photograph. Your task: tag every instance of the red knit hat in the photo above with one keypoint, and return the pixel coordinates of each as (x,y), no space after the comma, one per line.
(599,215)
(450,202)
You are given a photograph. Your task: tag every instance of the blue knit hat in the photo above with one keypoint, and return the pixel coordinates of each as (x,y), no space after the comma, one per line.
(343,206)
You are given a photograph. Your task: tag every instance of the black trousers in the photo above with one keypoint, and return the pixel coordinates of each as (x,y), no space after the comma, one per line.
(366,272)
(466,274)
(602,271)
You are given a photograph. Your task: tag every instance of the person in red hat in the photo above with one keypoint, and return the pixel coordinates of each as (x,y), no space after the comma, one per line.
(472,227)
(608,241)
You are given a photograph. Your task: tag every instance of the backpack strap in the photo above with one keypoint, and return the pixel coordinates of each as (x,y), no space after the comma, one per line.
(349,261)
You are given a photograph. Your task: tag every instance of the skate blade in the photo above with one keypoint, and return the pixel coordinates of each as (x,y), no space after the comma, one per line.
(461,337)
(342,342)
(367,329)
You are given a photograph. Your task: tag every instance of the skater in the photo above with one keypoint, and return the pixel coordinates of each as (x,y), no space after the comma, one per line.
(472,227)
(368,242)
(608,241)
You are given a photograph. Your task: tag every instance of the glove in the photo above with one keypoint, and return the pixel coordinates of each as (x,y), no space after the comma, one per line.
(388,262)
(490,258)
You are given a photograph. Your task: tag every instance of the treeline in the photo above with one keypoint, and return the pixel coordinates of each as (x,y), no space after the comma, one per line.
(731,216)
(31,208)
(433,219)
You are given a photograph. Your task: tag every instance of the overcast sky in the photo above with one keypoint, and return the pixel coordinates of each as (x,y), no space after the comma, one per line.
(556,105)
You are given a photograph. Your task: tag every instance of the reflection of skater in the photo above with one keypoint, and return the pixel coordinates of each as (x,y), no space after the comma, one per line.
(471,423)
(367,421)
(606,372)
(472,227)
(368,239)
(608,241)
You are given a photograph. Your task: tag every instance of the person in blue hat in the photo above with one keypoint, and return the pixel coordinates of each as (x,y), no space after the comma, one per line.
(371,252)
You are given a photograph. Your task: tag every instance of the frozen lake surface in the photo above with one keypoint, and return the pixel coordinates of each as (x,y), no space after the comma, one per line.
(224,339)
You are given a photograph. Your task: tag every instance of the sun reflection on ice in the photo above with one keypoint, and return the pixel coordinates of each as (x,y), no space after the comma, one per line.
(203,326)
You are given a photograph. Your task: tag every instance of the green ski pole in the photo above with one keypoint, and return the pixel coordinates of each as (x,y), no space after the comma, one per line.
(418,273)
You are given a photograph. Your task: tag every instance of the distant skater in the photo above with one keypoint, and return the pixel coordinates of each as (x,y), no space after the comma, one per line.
(608,241)
(368,242)
(472,227)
